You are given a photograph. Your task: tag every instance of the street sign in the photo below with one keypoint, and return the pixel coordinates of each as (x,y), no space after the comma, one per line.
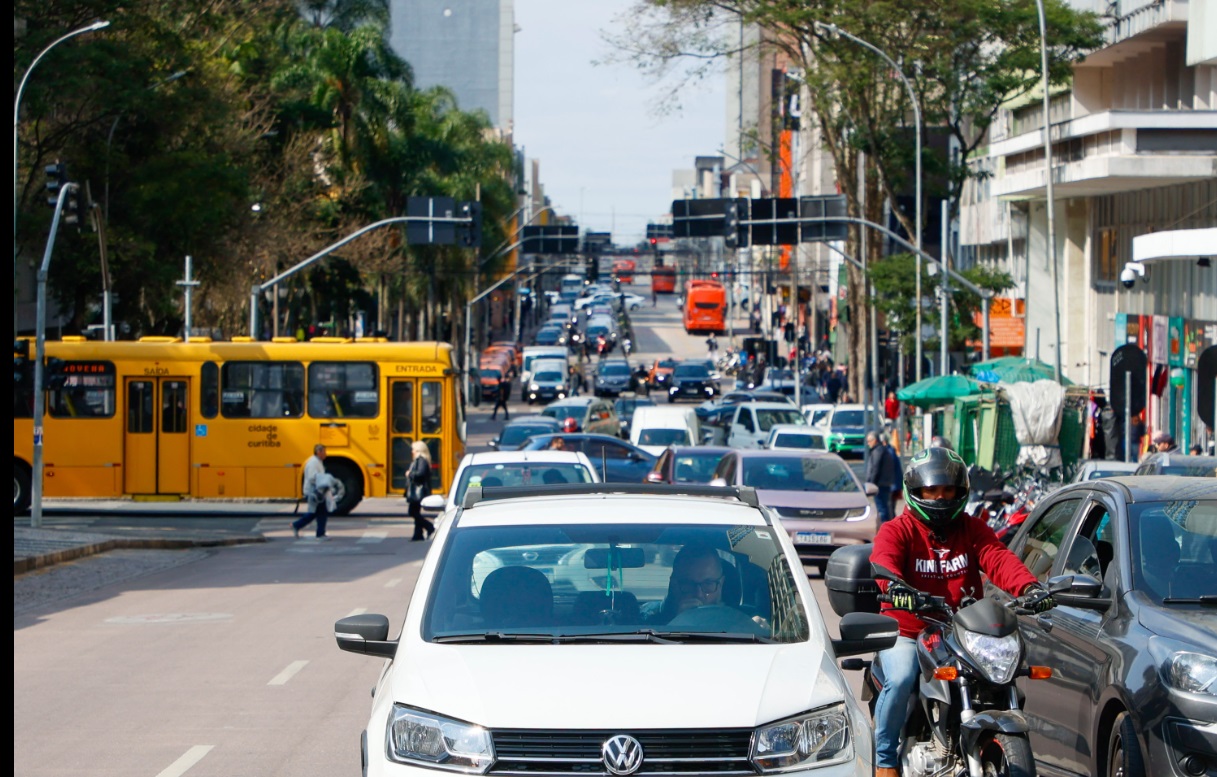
(431,232)
(830,206)
(550,239)
(698,218)
(1128,359)
(775,234)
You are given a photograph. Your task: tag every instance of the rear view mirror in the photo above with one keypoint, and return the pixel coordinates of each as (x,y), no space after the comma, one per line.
(433,502)
(654,477)
(1079,591)
(493,444)
(366,634)
(622,558)
(865,632)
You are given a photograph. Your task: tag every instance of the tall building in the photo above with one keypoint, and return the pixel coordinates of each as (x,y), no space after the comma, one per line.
(466,46)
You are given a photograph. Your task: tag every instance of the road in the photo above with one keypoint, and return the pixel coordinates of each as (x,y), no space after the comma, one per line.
(219,662)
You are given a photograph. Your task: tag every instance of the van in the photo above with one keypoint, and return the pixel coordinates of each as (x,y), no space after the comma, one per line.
(655,428)
(532,353)
(752,421)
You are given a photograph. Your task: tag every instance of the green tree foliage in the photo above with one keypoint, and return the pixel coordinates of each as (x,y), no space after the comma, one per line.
(248,134)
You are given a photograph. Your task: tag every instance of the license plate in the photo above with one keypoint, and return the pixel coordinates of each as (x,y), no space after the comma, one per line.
(813,538)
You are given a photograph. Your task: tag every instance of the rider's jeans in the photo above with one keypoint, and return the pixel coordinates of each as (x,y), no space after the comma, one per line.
(899,681)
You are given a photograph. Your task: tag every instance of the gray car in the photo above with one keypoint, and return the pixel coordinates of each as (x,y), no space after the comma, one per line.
(1133,689)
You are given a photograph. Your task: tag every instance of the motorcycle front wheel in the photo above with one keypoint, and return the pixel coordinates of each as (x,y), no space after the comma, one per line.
(1002,755)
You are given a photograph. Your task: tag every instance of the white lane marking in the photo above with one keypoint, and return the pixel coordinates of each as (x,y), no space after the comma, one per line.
(183,764)
(356,611)
(374,536)
(288,673)
(393,583)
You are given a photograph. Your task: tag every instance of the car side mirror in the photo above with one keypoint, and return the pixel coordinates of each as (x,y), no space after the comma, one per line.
(366,634)
(872,489)
(865,632)
(1078,591)
(434,502)
(654,477)
(493,444)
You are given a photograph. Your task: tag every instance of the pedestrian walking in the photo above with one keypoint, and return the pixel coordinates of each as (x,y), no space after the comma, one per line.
(418,488)
(500,399)
(654,297)
(712,345)
(882,469)
(576,380)
(318,490)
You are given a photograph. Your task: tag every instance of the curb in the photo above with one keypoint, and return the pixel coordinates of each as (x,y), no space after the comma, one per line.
(30,563)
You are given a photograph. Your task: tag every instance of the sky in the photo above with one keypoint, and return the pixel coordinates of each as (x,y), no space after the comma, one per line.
(606,155)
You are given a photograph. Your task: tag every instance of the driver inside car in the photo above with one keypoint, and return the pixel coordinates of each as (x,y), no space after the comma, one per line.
(696,598)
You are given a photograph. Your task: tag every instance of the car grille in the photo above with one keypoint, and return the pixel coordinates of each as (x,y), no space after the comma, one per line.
(665,752)
(810,513)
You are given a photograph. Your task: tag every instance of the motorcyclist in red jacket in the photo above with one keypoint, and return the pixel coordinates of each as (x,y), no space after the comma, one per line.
(937,549)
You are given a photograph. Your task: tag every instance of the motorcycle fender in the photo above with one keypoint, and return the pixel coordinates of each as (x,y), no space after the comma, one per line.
(938,690)
(1003,721)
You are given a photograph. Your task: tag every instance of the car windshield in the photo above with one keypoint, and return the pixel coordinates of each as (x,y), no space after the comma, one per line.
(597,331)
(667,364)
(818,416)
(515,434)
(847,418)
(691,371)
(1174,549)
(1194,468)
(798,473)
(548,377)
(664,437)
(616,370)
(767,417)
(519,474)
(607,582)
(563,412)
(795,440)
(695,467)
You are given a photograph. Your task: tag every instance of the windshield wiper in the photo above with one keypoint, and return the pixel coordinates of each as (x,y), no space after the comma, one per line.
(703,636)
(1207,599)
(497,636)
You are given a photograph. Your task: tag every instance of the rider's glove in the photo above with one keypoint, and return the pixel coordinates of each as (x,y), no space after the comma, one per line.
(1036,599)
(902,597)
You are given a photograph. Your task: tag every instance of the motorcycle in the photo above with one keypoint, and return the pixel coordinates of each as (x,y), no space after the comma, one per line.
(966,717)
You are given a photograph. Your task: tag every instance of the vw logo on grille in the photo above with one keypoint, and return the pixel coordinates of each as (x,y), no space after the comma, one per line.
(622,754)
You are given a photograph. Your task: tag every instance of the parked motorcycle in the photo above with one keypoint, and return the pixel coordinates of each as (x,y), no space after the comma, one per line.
(966,716)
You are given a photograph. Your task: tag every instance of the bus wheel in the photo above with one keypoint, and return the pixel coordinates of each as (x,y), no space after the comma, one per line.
(350,485)
(21,489)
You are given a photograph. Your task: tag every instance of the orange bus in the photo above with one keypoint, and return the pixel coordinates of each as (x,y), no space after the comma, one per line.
(160,419)
(705,307)
(623,269)
(663,280)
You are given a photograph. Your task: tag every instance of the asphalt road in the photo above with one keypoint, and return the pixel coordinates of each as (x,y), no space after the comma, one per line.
(221,661)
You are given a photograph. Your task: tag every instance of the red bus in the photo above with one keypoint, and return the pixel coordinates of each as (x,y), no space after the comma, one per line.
(663,280)
(705,307)
(624,270)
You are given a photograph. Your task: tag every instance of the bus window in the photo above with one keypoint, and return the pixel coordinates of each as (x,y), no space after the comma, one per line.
(403,407)
(432,396)
(210,389)
(262,390)
(173,406)
(139,406)
(88,391)
(343,390)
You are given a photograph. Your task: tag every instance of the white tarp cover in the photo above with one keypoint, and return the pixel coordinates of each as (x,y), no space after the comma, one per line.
(1036,408)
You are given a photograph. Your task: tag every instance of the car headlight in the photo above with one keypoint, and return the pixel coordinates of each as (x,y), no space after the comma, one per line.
(1183,668)
(997,657)
(437,742)
(856,513)
(534,387)
(815,739)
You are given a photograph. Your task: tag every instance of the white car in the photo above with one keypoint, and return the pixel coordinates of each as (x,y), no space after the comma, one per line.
(511,468)
(752,421)
(796,437)
(817,414)
(614,630)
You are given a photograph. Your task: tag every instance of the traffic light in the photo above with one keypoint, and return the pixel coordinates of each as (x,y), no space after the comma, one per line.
(471,233)
(56,179)
(731,224)
(654,244)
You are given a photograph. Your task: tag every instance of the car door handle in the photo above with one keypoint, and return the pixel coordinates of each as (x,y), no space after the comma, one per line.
(1044,621)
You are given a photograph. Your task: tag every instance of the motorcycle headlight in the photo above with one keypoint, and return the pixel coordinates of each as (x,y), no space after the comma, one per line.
(436,742)
(819,738)
(997,657)
(1183,668)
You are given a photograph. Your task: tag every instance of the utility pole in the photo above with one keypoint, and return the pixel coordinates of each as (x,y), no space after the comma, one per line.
(188,283)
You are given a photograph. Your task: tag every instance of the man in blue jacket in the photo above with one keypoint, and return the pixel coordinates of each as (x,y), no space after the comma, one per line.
(882,469)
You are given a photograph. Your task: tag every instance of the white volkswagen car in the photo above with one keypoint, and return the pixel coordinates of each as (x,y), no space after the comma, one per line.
(512,468)
(614,629)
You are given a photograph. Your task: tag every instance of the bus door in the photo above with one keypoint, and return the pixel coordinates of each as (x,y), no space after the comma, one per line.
(157,437)
(416,412)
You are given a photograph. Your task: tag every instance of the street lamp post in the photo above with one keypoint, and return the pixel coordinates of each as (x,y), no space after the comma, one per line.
(835,30)
(16,126)
(1051,237)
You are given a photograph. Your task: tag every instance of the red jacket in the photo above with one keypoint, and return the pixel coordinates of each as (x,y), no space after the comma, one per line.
(950,568)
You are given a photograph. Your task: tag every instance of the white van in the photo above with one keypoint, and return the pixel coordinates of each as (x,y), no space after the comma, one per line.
(530,355)
(655,428)
(752,421)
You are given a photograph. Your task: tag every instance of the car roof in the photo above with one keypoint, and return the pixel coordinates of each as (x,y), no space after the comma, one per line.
(533,419)
(800,428)
(1181,460)
(573,402)
(1149,488)
(685,450)
(609,508)
(765,405)
(542,457)
(761,453)
(854,406)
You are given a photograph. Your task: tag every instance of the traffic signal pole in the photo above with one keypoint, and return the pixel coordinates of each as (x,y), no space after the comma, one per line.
(39,356)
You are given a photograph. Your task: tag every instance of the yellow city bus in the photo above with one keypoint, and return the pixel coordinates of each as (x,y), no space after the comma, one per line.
(164,419)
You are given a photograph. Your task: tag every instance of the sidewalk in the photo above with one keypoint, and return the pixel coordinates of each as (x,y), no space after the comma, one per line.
(43,547)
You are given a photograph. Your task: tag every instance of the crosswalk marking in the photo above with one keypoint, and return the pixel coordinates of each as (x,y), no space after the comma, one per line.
(393,583)
(373,536)
(292,669)
(183,764)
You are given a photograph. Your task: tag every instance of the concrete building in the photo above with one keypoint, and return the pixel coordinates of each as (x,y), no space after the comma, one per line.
(468,47)
(1134,146)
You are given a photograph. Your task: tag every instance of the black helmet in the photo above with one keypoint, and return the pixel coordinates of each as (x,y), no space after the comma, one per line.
(938,441)
(936,467)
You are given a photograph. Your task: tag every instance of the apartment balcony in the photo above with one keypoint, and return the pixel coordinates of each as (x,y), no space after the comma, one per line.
(1131,18)
(1108,152)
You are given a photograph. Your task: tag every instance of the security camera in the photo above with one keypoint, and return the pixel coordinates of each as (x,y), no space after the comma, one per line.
(1128,276)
